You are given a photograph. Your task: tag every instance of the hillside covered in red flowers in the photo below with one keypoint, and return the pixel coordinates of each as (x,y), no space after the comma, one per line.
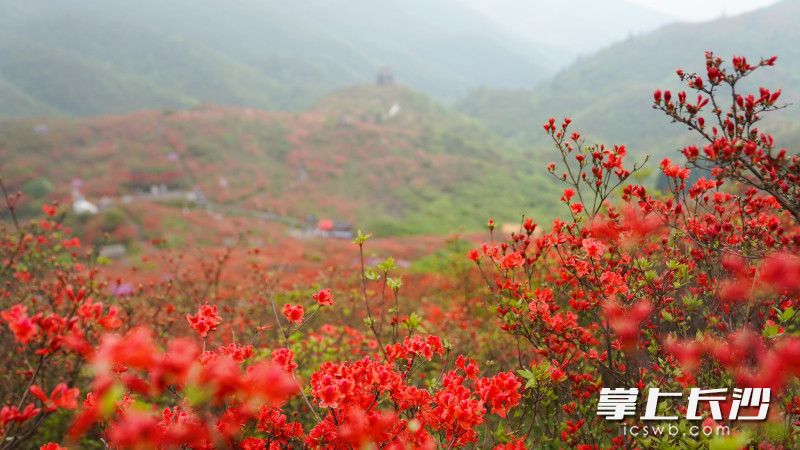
(236,318)
(384,158)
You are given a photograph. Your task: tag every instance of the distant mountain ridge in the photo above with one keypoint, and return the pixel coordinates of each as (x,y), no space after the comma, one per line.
(87,57)
(608,94)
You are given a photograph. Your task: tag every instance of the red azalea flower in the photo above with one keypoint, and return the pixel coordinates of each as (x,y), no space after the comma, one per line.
(206,320)
(293,313)
(323,297)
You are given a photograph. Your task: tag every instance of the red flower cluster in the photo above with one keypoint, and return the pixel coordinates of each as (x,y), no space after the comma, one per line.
(205,320)
(19,323)
(351,392)
(293,313)
(131,367)
(323,297)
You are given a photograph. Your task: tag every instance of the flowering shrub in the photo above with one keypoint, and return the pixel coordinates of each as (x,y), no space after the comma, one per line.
(695,286)
(52,321)
(147,388)
(633,288)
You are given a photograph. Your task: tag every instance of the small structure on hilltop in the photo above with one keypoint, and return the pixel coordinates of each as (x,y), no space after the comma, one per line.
(342,230)
(41,130)
(113,251)
(334,229)
(198,196)
(394,110)
(83,206)
(384,77)
(345,120)
(144,181)
(325,226)
(79,203)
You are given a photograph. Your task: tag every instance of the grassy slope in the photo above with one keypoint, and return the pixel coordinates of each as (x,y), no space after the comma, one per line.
(425,170)
(16,102)
(62,81)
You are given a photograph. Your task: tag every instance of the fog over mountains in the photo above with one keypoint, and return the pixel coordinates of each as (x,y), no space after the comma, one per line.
(572,25)
(609,93)
(88,57)
(508,63)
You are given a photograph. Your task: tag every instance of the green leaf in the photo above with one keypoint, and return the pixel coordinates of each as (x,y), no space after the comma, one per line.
(394,283)
(729,442)
(500,432)
(413,322)
(386,265)
(691,302)
(447,344)
(197,395)
(771,331)
(361,238)
(525,373)
(776,431)
(108,402)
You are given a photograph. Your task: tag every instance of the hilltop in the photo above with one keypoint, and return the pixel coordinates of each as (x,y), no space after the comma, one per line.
(387,159)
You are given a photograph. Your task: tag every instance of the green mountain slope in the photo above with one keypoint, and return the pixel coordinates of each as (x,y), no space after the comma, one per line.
(386,158)
(16,102)
(62,81)
(609,94)
(273,54)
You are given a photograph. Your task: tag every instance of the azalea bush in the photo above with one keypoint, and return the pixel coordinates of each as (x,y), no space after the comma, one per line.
(633,288)
(98,365)
(692,287)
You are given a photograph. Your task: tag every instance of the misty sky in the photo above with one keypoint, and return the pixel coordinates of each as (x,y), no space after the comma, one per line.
(698,10)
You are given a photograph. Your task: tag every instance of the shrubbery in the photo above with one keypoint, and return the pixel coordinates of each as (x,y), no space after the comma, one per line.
(695,287)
